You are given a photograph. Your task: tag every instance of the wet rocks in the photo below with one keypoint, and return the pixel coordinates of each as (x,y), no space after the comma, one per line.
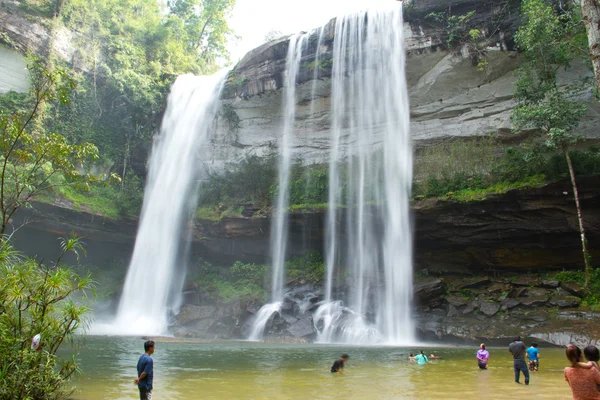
(572,288)
(533,301)
(549,284)
(565,302)
(489,308)
(457,301)
(507,304)
(302,328)
(430,293)
(191,313)
(476,283)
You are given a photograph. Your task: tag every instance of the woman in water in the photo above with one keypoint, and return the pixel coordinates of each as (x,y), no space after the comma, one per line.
(482,356)
(583,381)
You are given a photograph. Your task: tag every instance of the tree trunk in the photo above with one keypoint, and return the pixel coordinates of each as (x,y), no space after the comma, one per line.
(590,10)
(586,256)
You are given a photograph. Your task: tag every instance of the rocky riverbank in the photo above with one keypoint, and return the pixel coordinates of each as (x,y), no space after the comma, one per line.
(450,309)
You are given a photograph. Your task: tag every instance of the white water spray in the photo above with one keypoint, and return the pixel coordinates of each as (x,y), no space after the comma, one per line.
(370,118)
(279,225)
(169,197)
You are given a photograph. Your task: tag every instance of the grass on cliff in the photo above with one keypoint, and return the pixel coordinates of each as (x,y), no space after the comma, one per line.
(250,282)
(461,170)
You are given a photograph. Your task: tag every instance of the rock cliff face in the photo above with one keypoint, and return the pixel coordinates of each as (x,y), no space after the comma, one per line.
(449,97)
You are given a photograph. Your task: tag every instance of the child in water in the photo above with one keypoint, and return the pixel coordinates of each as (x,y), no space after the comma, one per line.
(533,354)
(411,358)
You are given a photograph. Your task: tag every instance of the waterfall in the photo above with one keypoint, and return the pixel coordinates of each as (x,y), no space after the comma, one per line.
(372,237)
(169,198)
(279,225)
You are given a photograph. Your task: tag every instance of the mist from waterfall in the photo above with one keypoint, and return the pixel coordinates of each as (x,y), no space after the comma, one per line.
(279,225)
(370,119)
(154,278)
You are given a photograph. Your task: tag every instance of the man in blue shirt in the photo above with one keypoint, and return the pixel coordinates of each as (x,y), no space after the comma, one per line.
(533,354)
(145,370)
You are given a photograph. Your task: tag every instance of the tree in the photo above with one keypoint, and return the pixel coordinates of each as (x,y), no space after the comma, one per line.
(32,161)
(39,299)
(550,41)
(590,9)
(273,35)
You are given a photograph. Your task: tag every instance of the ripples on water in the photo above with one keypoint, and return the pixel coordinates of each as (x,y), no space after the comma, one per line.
(245,370)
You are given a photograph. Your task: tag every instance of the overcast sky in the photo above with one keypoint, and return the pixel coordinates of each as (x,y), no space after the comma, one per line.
(253,19)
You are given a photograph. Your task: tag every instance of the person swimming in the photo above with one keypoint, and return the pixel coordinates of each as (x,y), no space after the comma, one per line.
(411,358)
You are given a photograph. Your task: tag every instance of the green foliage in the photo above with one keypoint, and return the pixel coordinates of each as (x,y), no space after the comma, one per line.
(457,26)
(240,281)
(321,64)
(469,171)
(131,50)
(551,40)
(32,160)
(593,298)
(310,268)
(247,181)
(39,299)
(233,120)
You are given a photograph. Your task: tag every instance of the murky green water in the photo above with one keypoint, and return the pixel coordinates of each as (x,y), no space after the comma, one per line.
(239,370)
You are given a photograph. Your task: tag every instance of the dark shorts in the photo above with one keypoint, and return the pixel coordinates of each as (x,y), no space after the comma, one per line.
(482,365)
(534,365)
(145,394)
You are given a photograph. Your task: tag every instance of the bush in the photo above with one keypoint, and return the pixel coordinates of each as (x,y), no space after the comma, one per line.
(310,267)
(38,299)
(592,300)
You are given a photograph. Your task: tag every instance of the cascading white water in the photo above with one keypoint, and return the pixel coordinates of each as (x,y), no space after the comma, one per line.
(170,196)
(279,225)
(370,118)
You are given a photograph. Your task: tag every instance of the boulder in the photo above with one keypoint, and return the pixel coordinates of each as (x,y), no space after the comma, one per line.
(507,304)
(489,308)
(538,292)
(565,301)
(533,301)
(476,283)
(572,288)
(526,281)
(302,328)
(290,319)
(430,293)
(190,313)
(472,306)
(517,292)
(452,311)
(457,301)
(549,284)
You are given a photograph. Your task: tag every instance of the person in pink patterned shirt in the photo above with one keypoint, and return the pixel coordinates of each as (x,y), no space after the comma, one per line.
(583,381)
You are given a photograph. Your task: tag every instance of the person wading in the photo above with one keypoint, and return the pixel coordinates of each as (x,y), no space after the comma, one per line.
(482,357)
(517,349)
(145,370)
(338,365)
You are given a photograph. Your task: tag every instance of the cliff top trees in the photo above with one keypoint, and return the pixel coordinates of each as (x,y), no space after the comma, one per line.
(33,161)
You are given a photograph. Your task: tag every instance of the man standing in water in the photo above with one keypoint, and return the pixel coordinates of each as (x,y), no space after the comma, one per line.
(338,365)
(517,349)
(145,370)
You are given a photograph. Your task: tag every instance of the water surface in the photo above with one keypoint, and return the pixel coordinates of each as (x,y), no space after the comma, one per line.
(244,370)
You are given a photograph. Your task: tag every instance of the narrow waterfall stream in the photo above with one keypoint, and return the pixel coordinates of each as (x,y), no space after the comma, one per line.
(279,225)
(370,118)
(153,281)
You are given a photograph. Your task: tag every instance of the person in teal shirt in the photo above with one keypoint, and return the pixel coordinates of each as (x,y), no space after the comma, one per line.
(533,354)
(421,358)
